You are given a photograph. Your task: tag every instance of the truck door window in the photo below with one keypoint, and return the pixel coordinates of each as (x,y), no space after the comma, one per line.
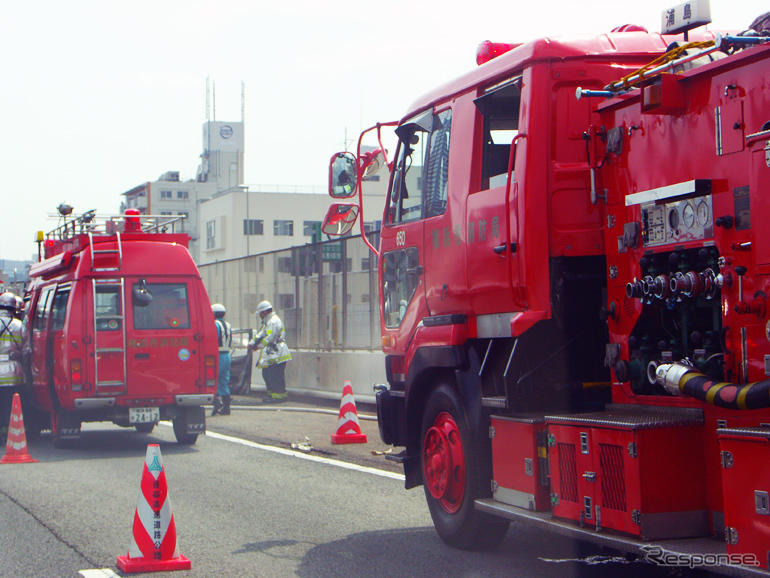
(437,165)
(108,308)
(499,106)
(399,282)
(419,186)
(169,308)
(43,306)
(59,309)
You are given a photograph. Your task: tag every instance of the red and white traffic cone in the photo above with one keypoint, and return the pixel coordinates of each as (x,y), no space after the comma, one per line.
(154,547)
(16,441)
(348,429)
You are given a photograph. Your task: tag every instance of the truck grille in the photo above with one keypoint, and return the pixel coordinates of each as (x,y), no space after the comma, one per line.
(568,472)
(612,477)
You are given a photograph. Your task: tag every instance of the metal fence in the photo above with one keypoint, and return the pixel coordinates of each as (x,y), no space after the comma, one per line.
(326,293)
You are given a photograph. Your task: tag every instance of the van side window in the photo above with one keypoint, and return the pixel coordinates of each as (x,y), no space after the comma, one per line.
(41,312)
(59,309)
(168,309)
(499,106)
(419,185)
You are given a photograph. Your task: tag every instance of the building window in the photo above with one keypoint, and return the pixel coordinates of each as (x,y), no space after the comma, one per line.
(167,213)
(372,226)
(182,195)
(284,264)
(253,227)
(285,301)
(310,228)
(283,228)
(365,264)
(261,264)
(211,234)
(165,194)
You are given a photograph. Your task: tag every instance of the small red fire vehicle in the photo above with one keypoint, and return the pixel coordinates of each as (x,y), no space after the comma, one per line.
(119,328)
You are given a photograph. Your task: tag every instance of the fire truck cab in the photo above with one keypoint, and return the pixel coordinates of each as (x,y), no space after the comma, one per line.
(119,328)
(573,289)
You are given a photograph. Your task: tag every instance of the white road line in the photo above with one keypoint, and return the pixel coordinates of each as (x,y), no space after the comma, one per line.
(99,573)
(297,409)
(311,458)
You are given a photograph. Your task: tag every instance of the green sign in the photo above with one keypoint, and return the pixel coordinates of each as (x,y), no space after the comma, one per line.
(331,251)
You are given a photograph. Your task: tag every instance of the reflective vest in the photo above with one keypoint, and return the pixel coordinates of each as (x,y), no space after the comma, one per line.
(11,338)
(224,336)
(271,339)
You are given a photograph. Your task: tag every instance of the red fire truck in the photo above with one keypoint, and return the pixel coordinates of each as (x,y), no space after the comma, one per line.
(573,287)
(119,328)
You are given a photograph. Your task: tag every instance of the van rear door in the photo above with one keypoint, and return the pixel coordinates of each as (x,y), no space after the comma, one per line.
(163,356)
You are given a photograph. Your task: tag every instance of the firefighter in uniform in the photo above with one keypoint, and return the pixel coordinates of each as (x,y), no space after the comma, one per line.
(225,341)
(11,371)
(271,340)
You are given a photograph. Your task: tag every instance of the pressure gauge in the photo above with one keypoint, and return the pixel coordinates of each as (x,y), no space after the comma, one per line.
(673,219)
(688,215)
(703,215)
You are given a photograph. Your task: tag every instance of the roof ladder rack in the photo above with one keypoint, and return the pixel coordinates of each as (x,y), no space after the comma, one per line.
(94,252)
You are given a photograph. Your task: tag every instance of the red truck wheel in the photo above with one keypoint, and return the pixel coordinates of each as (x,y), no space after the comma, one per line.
(452,474)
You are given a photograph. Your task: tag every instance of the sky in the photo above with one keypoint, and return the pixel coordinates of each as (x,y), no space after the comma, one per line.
(99,97)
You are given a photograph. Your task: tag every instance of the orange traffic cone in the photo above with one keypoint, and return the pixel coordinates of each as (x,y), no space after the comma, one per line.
(16,444)
(348,430)
(154,547)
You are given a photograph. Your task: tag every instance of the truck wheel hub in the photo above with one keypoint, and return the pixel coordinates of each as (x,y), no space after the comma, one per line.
(444,462)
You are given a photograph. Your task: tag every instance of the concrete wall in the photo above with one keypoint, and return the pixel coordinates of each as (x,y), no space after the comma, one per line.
(323,373)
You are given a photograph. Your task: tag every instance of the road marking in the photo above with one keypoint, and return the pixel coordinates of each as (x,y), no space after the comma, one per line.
(297,409)
(312,458)
(99,573)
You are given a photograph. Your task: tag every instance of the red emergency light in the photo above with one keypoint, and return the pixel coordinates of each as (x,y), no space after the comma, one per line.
(488,50)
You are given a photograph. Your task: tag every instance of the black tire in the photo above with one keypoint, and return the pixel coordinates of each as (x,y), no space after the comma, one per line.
(145,428)
(65,429)
(180,432)
(455,474)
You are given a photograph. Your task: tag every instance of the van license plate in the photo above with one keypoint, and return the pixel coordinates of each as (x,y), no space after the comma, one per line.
(143,414)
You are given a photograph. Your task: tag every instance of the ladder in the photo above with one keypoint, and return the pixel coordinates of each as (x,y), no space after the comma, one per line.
(94,252)
(116,352)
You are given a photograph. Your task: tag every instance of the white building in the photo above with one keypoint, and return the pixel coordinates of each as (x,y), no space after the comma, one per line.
(221,168)
(227,219)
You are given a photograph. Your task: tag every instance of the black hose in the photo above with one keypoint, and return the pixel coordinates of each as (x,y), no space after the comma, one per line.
(725,394)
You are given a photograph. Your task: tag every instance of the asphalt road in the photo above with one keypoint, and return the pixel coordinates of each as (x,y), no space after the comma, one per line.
(246,504)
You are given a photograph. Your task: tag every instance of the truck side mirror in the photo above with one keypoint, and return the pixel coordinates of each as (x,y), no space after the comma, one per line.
(343,175)
(340,219)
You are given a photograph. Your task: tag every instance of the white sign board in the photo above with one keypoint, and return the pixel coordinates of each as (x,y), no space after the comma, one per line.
(685,16)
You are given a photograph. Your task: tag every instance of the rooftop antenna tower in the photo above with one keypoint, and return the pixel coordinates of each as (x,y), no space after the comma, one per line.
(208,99)
(243,101)
(214,100)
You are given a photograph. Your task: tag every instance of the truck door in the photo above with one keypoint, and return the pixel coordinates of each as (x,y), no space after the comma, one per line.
(403,230)
(492,217)
(56,346)
(40,363)
(163,355)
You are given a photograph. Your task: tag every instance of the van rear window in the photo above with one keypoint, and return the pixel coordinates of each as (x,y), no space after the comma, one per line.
(168,307)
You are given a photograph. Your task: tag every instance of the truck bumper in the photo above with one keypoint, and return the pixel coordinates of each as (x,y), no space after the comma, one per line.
(194,399)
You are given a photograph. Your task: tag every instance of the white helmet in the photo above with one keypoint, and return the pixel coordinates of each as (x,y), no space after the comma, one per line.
(264,306)
(8,301)
(218,309)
